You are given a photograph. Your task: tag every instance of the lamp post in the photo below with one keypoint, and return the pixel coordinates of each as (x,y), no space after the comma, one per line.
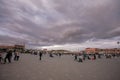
(118,46)
(118,43)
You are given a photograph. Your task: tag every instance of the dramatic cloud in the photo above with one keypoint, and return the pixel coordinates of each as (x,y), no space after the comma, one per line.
(43,23)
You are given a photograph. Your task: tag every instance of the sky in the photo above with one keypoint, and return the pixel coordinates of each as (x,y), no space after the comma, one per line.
(60,24)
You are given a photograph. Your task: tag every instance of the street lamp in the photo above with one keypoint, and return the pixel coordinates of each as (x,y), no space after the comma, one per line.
(118,43)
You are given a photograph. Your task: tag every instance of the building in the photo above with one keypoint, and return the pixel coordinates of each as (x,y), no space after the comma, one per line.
(91,50)
(17,47)
(22,47)
(106,51)
(6,47)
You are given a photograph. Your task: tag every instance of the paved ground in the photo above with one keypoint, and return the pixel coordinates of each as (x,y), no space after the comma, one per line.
(60,68)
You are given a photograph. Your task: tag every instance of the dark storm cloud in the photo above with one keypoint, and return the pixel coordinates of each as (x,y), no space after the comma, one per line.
(54,22)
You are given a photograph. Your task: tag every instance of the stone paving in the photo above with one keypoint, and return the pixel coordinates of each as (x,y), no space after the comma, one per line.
(29,67)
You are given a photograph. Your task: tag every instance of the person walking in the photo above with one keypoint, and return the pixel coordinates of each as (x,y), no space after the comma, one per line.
(99,56)
(1,57)
(16,57)
(40,55)
(94,56)
(8,57)
(80,58)
(75,57)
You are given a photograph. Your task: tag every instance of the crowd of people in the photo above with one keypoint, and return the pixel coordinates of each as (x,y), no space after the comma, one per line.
(82,57)
(41,53)
(7,56)
(79,57)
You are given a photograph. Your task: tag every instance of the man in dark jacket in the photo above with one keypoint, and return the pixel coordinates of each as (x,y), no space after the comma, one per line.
(8,56)
(40,55)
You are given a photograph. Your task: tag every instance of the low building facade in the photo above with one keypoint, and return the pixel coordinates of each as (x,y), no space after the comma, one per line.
(102,51)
